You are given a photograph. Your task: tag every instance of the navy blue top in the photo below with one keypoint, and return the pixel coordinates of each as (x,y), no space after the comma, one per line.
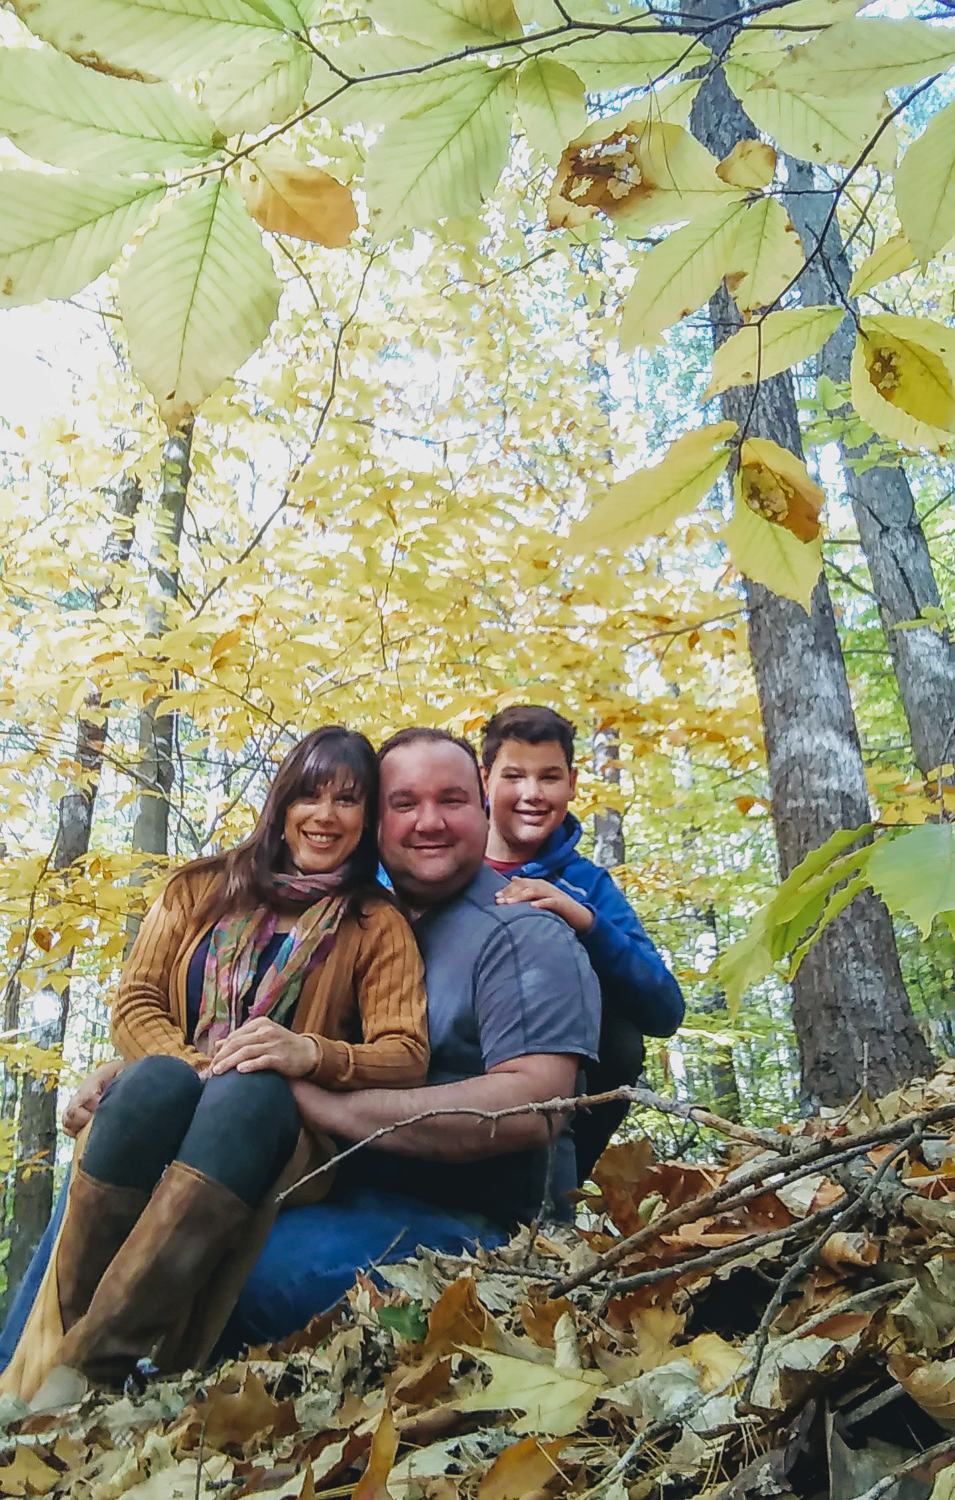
(635,983)
(197,964)
(502,982)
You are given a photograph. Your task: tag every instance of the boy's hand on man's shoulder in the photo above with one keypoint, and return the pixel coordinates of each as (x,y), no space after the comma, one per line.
(546,897)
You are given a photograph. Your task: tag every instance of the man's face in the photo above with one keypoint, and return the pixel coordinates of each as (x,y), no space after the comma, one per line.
(432,829)
(528,788)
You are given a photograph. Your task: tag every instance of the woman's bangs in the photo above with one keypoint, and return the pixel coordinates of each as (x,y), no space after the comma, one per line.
(339,765)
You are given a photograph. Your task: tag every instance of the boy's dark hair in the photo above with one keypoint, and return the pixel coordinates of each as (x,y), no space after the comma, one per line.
(415,733)
(530,724)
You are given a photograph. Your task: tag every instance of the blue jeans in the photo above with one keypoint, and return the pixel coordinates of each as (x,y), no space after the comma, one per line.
(25,1295)
(309,1261)
(313,1254)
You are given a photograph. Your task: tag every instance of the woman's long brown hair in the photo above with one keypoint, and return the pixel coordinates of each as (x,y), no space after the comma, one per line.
(333,755)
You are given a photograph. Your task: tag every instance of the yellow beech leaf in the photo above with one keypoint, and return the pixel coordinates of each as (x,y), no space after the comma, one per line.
(831,129)
(925,187)
(888,259)
(288,197)
(772,556)
(640,170)
(520,1470)
(767,255)
(680,274)
(645,503)
(554,1401)
(750,164)
(764,348)
(776,484)
(865,55)
(910,365)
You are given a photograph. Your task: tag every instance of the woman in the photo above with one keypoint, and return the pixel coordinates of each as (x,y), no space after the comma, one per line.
(281,960)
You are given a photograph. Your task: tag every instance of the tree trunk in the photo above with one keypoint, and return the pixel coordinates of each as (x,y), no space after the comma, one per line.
(851,1013)
(36,1152)
(33,1197)
(609,846)
(891,534)
(157,726)
(723,1082)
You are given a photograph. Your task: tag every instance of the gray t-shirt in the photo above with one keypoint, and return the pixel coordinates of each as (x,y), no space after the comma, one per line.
(503,982)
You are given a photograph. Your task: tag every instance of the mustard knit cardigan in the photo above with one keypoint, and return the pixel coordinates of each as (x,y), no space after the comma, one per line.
(373,972)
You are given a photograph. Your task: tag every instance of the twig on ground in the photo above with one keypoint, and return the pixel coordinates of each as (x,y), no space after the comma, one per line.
(807,1260)
(725,1254)
(933,1459)
(769,1176)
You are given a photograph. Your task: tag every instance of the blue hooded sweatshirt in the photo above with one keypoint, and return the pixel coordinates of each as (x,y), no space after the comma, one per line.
(635,983)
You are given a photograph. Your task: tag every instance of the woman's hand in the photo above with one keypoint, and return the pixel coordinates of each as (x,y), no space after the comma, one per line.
(261,1044)
(82,1106)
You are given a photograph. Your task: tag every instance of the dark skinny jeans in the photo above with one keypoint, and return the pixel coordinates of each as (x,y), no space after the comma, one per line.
(238,1128)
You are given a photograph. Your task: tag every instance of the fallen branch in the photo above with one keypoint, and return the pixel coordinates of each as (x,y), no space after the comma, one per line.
(846,1215)
(646,1098)
(768,1177)
(726,1254)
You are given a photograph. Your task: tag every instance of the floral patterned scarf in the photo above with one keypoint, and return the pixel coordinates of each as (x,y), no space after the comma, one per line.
(237,943)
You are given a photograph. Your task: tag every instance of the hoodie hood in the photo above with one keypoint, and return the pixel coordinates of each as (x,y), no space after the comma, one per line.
(556,853)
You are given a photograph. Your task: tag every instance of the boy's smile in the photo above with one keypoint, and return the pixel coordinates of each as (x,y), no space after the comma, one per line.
(528,789)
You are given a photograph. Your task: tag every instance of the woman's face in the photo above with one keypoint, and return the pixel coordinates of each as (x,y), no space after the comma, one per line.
(322,830)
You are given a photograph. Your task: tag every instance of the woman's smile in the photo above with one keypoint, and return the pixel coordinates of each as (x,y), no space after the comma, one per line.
(323,830)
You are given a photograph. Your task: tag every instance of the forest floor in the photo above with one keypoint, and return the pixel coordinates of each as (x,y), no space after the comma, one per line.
(778,1321)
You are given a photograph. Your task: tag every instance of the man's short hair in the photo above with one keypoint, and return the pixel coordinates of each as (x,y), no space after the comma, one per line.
(532,725)
(416,734)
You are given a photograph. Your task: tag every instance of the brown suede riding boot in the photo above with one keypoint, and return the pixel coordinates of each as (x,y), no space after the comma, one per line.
(189,1225)
(99,1216)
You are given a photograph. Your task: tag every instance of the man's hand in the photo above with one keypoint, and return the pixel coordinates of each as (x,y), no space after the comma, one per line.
(262,1044)
(546,897)
(82,1106)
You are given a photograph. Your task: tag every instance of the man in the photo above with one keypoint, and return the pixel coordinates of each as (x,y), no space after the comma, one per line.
(529,779)
(513,1010)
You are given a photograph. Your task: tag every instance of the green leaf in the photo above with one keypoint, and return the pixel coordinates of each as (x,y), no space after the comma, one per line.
(58,233)
(914,873)
(867,55)
(408,1320)
(445,162)
(925,186)
(644,504)
(803,900)
(772,556)
(764,348)
(259,88)
(148,38)
(550,101)
(767,255)
(198,297)
(447,25)
(386,99)
(681,273)
(70,116)
(608,61)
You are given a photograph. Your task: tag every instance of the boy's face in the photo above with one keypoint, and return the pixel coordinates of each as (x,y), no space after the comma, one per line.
(528,788)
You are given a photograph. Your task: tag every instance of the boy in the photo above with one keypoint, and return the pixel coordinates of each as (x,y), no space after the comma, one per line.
(529,779)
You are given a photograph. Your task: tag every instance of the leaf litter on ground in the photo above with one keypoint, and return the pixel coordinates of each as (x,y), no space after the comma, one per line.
(796,1336)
